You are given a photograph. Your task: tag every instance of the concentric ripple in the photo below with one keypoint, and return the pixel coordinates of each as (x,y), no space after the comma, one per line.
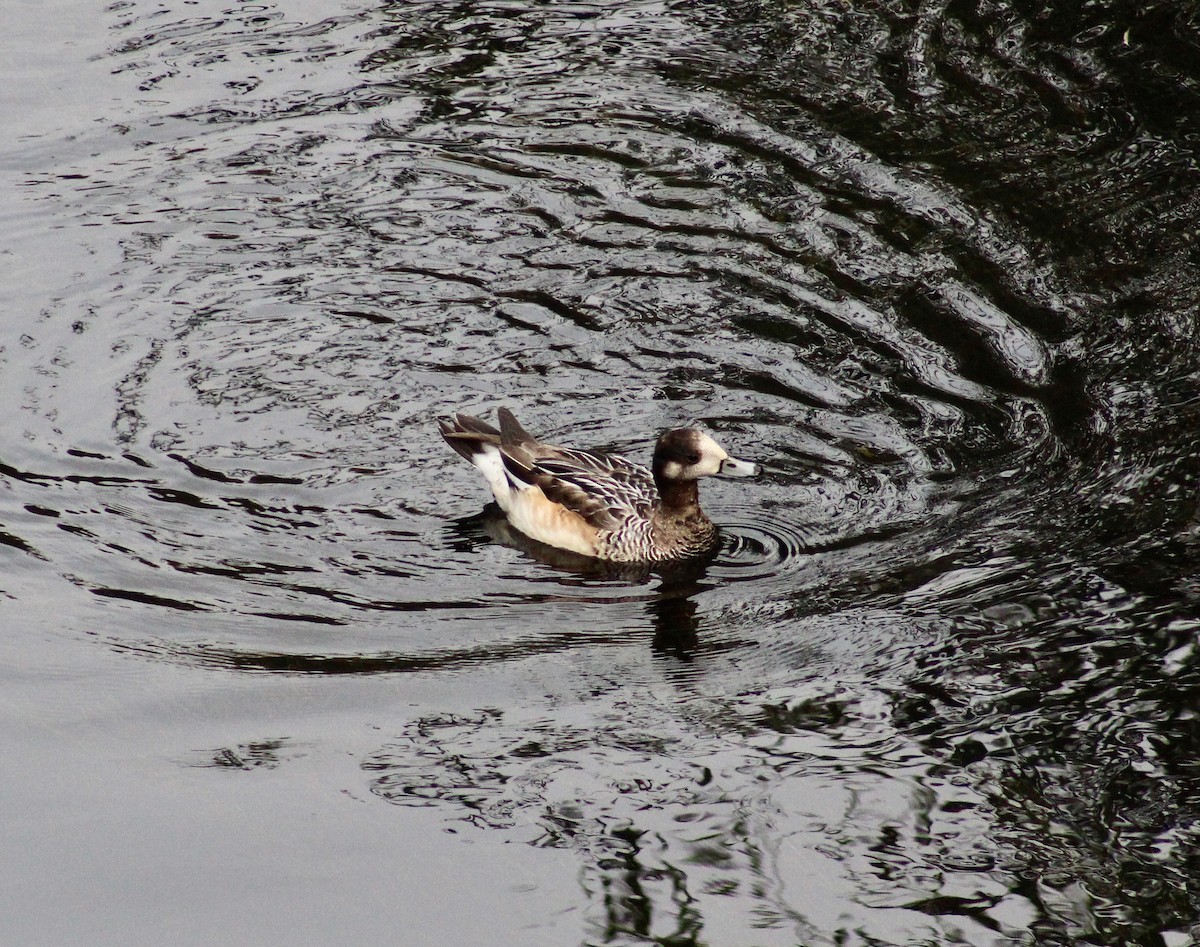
(761,547)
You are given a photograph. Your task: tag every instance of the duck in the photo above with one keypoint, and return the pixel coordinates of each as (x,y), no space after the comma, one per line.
(599,505)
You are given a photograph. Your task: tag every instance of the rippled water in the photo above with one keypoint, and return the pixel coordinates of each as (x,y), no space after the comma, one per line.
(269,658)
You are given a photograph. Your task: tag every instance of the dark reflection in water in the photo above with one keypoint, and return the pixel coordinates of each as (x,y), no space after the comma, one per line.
(933,264)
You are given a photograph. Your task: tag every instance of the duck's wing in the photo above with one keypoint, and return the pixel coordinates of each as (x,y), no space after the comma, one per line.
(620,487)
(606,491)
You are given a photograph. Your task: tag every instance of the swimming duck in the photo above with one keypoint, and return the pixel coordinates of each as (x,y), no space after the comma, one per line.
(597,504)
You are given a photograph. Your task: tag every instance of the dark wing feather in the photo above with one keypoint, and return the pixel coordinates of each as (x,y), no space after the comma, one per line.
(511,433)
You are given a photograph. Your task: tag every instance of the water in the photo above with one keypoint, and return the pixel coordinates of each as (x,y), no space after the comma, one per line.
(269,668)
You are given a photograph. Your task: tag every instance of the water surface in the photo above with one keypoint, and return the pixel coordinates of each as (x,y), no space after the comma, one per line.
(270,663)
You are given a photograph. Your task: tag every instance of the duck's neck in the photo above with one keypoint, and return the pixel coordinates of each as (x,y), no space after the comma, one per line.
(677,497)
(680,526)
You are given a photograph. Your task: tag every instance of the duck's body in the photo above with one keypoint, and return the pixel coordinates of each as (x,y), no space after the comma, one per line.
(597,504)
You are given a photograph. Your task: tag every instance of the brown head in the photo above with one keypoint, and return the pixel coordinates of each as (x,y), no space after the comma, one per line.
(683,456)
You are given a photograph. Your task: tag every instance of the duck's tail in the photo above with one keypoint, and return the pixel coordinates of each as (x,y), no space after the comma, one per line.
(485,447)
(468,435)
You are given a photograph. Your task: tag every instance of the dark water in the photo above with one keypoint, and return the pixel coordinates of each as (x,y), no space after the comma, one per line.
(268,671)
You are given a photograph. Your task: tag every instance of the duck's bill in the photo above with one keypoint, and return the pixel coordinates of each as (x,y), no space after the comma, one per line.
(732,467)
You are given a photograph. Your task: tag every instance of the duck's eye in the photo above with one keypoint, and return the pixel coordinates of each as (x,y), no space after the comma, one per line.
(693,458)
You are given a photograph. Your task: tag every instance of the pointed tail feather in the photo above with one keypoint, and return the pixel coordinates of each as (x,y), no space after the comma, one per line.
(468,435)
(468,422)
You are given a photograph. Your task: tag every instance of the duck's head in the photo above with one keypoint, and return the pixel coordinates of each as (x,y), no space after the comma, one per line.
(689,454)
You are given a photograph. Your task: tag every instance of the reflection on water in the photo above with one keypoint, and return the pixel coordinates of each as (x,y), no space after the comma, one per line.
(933,266)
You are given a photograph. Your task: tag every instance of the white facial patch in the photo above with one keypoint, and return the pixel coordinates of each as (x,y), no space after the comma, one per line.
(711,456)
